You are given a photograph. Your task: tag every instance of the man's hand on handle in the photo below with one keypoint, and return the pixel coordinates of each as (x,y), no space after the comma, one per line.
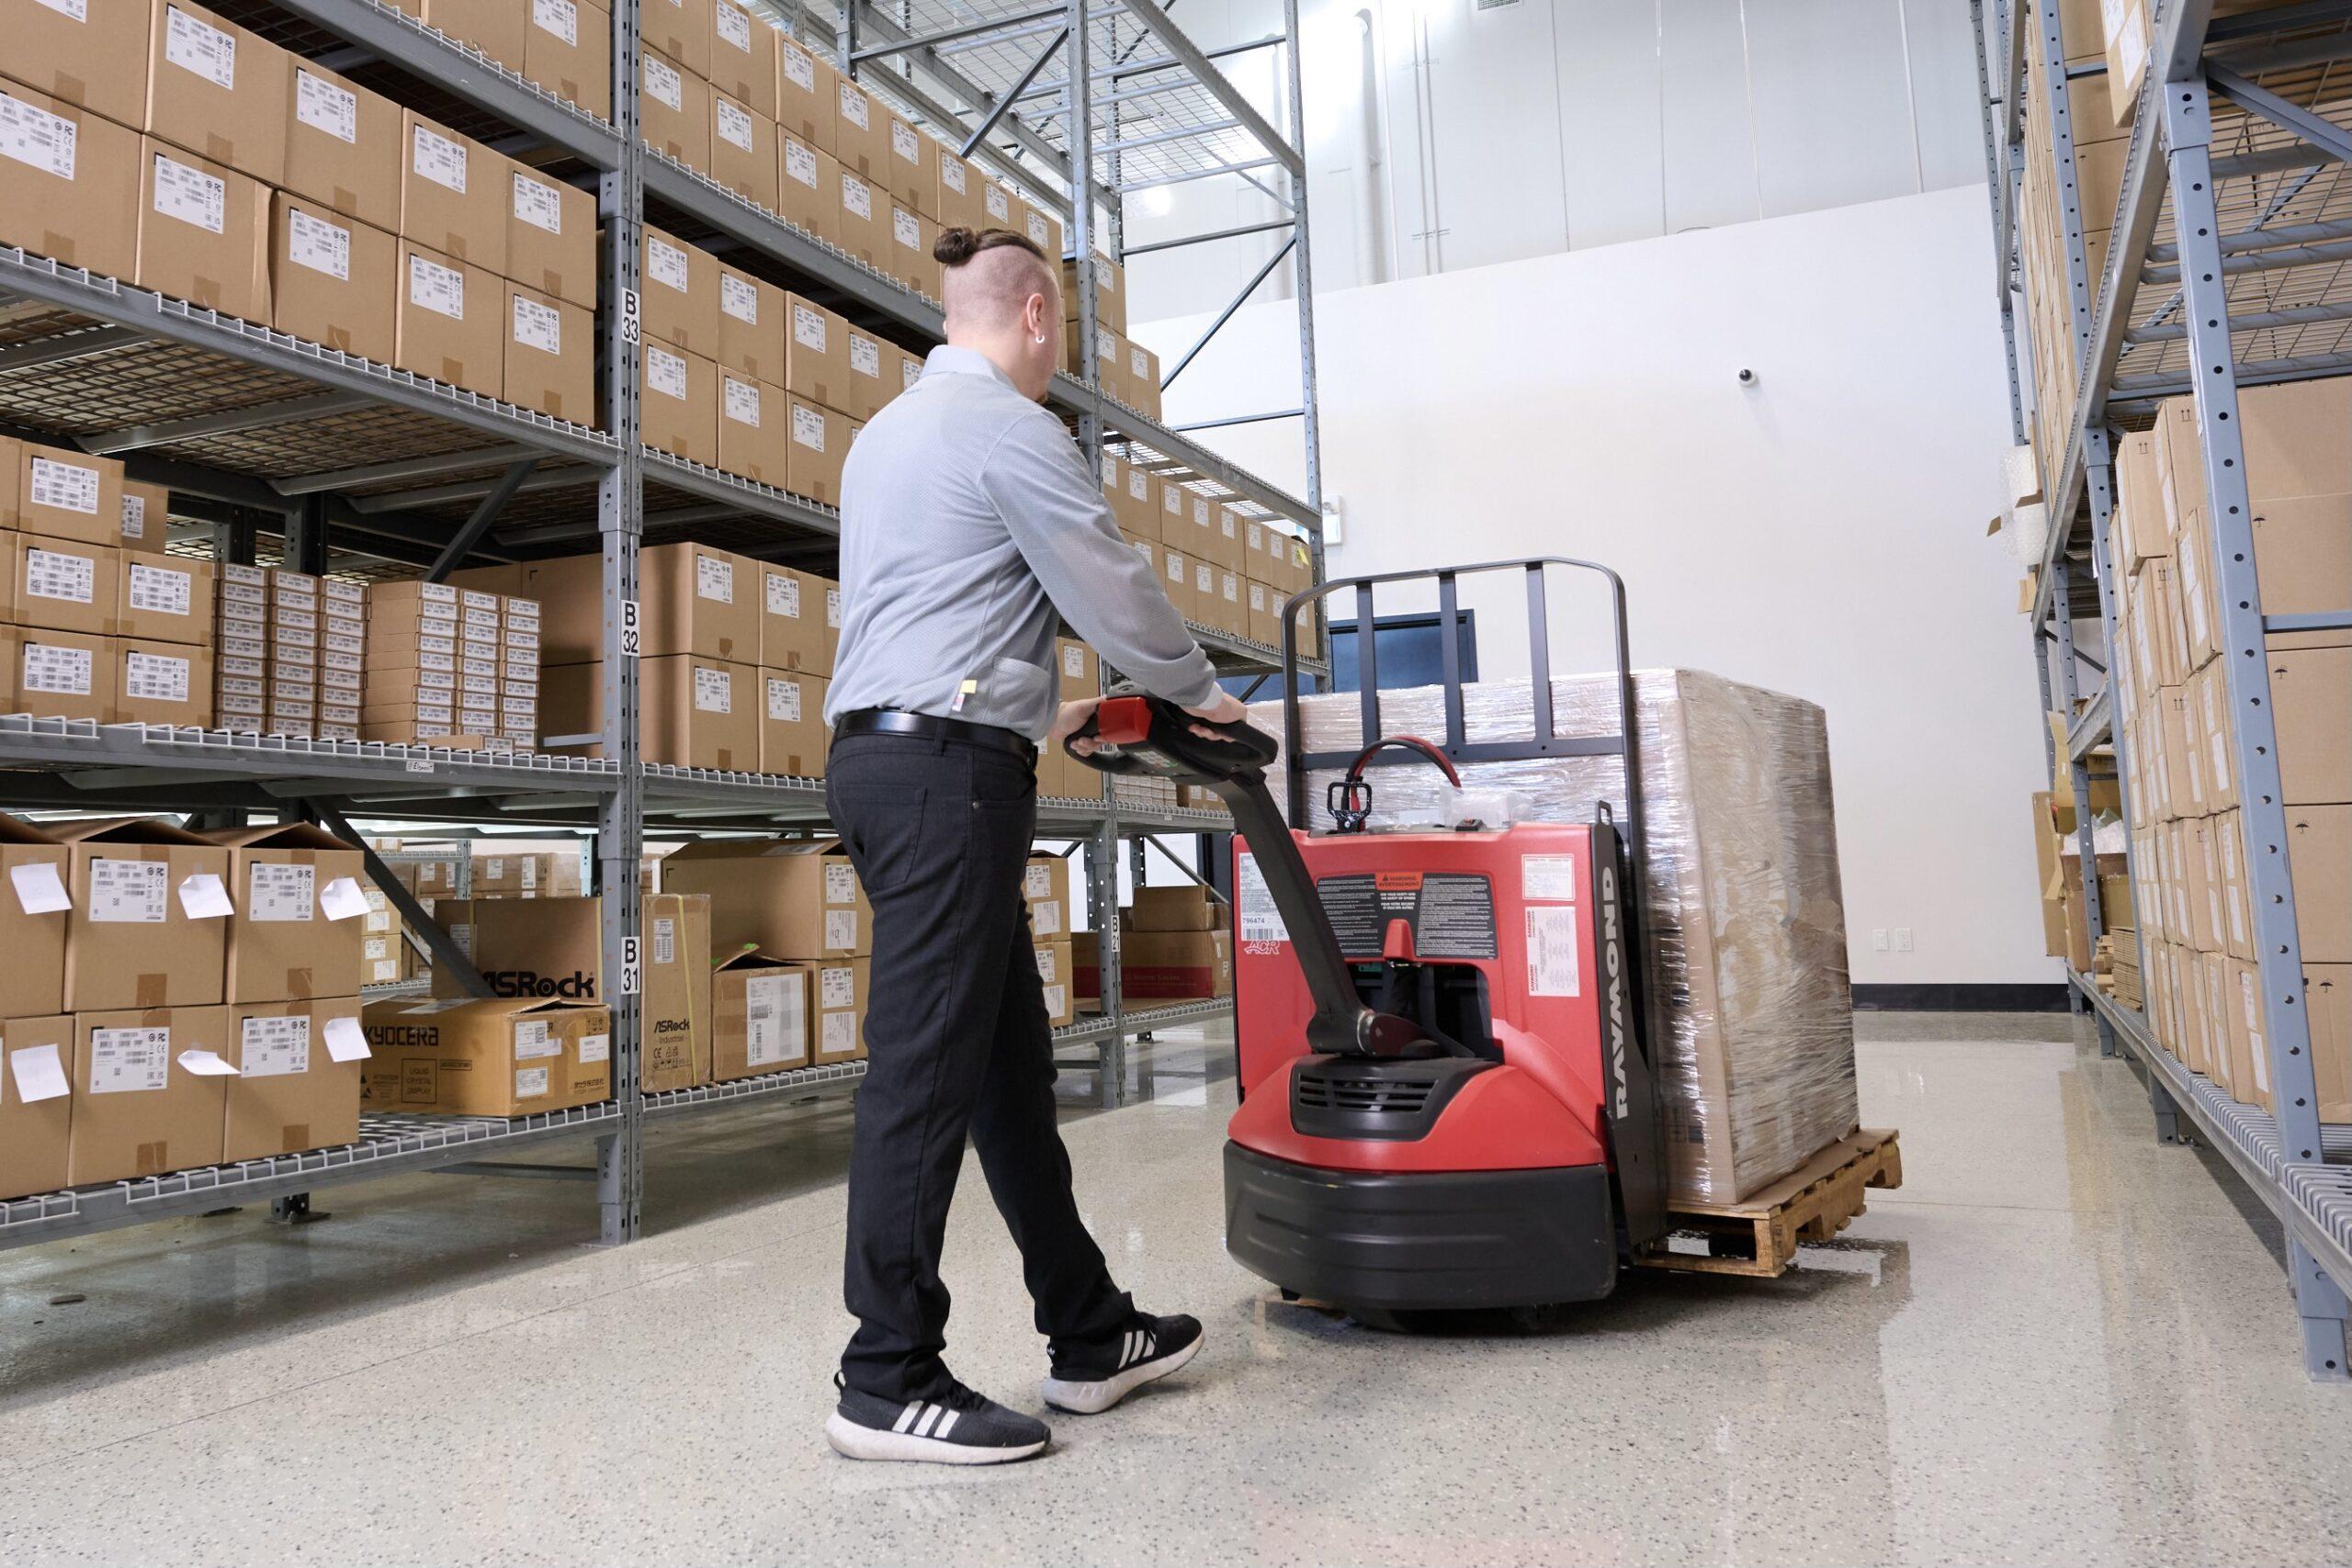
(1226,709)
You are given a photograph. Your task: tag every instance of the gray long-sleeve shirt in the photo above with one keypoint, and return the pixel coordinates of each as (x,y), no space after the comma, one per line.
(968,517)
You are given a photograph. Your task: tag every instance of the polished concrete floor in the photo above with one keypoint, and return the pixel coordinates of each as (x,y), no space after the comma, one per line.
(2058,1342)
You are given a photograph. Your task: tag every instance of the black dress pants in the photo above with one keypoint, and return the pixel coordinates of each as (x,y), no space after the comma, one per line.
(958,1043)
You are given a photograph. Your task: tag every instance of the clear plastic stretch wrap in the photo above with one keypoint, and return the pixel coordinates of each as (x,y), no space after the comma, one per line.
(1743,918)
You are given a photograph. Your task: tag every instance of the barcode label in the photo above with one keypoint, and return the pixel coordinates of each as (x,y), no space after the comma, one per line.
(438,159)
(561,17)
(130,1061)
(52,574)
(784,700)
(280,892)
(190,195)
(68,487)
(540,206)
(864,355)
(441,290)
(34,137)
(155,677)
(322,105)
(857,196)
(808,427)
(539,326)
(715,579)
(808,328)
(742,400)
(734,124)
(318,244)
(662,79)
(739,299)
(799,67)
(665,372)
(62,671)
(784,595)
(714,690)
(799,163)
(195,46)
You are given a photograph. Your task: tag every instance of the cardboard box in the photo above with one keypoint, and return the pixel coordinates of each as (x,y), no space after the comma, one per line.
(695,599)
(840,990)
(679,410)
(694,711)
(63,586)
(162,682)
(956,184)
(131,940)
(290,1093)
(2319,860)
(34,1134)
(742,58)
(73,192)
(791,897)
(761,1017)
(2307,692)
(791,621)
(343,147)
(743,155)
(1044,888)
(447,322)
(1190,908)
(568,49)
(298,896)
(816,353)
(1169,965)
(674,1015)
(218,91)
(60,674)
(793,735)
(2327,996)
(203,232)
(681,30)
(911,238)
(490,1057)
(1056,976)
(871,376)
(807,96)
(550,946)
(60,492)
(998,205)
(819,444)
(1142,379)
(673,109)
(1176,578)
(864,223)
(861,133)
(138,1108)
(453,194)
(808,187)
(32,921)
(752,417)
(551,233)
(550,363)
(2241,1005)
(1045,230)
(77,54)
(494,26)
(681,294)
(751,317)
(332,279)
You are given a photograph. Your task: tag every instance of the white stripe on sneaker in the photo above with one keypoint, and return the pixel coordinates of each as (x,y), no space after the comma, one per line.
(907,1416)
(930,1414)
(947,1422)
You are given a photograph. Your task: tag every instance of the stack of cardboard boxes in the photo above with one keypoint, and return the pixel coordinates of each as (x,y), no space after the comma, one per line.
(292,653)
(792,935)
(1221,567)
(1125,369)
(1175,944)
(95,621)
(736,654)
(2194,914)
(173,1000)
(178,150)
(565,46)
(1044,890)
(455,666)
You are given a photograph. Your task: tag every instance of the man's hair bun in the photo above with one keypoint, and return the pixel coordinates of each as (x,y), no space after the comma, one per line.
(956,246)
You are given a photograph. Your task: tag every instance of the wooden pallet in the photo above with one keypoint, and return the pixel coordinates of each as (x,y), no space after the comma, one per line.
(1759,1237)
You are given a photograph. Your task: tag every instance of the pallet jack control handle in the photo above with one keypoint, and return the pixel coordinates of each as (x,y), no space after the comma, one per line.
(1145,735)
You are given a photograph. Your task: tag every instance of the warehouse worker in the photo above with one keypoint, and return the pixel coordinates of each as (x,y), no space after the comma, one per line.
(969,518)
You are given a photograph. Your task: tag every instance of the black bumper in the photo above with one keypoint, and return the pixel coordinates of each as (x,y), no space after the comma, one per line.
(1481,1238)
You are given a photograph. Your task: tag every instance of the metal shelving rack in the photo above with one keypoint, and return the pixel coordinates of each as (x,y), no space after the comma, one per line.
(350,466)
(2223,270)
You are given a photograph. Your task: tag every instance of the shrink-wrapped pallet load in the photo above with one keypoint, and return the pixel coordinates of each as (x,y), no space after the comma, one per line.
(1742,914)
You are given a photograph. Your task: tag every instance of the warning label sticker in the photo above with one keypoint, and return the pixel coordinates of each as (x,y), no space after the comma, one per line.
(1261,922)
(1551,952)
(1449,914)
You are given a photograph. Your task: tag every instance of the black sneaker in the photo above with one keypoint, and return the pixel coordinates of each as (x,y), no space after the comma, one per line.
(1089,1379)
(965,1427)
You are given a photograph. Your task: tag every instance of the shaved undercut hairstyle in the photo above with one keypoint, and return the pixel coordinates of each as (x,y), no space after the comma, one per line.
(992,272)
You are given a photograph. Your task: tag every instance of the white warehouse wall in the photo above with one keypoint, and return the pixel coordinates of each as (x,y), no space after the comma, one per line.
(1821,534)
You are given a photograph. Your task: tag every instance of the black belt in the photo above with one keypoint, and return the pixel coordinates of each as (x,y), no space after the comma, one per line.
(929,727)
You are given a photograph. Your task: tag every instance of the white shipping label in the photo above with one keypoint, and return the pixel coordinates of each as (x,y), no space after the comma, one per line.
(909,372)
(281,892)
(735,26)
(784,700)
(998,204)
(69,487)
(903,143)
(1259,920)
(840,884)
(49,667)
(202,897)
(834,608)
(1172,501)
(662,79)
(161,591)
(595,1048)
(840,929)
(715,579)
(951,171)
(1200,512)
(78,10)
(1138,484)
(154,677)
(734,124)
(799,163)
(739,299)
(438,159)
(1110,470)
(1038,233)
(538,204)
(784,595)
(129,1060)
(39,890)
(808,427)
(1046,966)
(857,196)
(907,227)
(665,372)
(840,1034)
(1046,916)
(190,195)
(274,1047)
(713,690)
(808,328)
(741,401)
(775,1019)
(441,290)
(1138,363)
(799,66)
(539,326)
(1204,578)
(864,355)
(1037,881)
(1074,661)
(530,1083)
(561,17)
(836,989)
(52,574)
(197,45)
(322,105)
(665,263)
(34,137)
(207,1065)
(665,941)
(40,1074)
(533,1040)
(318,244)
(346,1042)
(853,104)
(1056,999)
(1551,951)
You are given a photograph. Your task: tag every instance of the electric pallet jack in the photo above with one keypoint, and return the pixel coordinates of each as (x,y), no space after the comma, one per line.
(1448,1101)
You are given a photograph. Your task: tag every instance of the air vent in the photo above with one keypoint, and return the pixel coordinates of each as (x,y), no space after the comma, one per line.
(1376,1097)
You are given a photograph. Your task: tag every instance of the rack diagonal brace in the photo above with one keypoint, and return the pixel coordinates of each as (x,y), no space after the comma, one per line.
(447,956)
(2327,137)
(461,544)
(1004,105)
(1155,21)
